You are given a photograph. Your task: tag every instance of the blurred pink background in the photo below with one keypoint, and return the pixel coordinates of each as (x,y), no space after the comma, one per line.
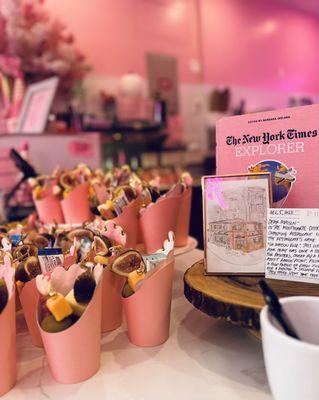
(251,43)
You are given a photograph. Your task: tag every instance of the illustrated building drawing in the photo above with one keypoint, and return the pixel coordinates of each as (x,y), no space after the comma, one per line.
(239,226)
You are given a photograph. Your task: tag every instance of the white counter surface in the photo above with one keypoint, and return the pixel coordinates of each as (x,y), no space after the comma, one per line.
(203,359)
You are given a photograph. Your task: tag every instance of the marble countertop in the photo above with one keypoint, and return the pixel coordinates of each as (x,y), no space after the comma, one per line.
(203,359)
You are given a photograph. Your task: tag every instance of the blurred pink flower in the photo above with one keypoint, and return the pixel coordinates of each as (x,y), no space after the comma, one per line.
(40,43)
(10,65)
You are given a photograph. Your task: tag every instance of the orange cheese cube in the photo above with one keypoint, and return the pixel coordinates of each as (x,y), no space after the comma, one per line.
(37,192)
(134,278)
(59,307)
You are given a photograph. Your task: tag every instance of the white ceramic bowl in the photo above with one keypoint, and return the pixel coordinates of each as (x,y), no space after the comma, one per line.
(292,365)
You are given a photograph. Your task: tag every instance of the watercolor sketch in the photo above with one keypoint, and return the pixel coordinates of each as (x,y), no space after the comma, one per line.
(235,223)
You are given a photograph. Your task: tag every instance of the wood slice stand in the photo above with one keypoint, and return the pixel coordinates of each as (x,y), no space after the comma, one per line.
(237,299)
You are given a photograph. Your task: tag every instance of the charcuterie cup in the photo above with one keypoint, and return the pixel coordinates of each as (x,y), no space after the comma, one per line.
(112,310)
(29,297)
(76,206)
(8,373)
(74,354)
(147,311)
(157,220)
(8,369)
(49,209)
(128,220)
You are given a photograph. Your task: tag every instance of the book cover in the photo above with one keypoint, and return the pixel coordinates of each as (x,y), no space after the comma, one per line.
(284,142)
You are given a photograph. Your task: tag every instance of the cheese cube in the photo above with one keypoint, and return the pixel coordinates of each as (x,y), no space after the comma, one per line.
(19,286)
(59,307)
(134,278)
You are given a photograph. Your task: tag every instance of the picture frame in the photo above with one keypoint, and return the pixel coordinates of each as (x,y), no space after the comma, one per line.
(36,106)
(235,223)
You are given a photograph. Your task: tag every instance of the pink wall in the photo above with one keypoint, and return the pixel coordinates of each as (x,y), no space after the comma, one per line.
(116,34)
(248,43)
(260,44)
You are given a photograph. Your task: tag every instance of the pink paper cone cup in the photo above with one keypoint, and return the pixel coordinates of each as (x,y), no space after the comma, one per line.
(157,220)
(49,210)
(175,191)
(76,206)
(8,371)
(183,219)
(147,312)
(128,220)
(112,310)
(74,354)
(29,297)
(18,304)
(139,232)
(101,194)
(139,235)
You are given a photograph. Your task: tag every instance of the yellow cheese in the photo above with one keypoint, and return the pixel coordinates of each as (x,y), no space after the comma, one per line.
(37,192)
(19,286)
(101,260)
(134,278)
(106,209)
(66,193)
(59,307)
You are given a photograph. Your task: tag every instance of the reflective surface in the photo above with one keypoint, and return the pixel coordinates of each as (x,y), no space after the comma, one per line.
(203,359)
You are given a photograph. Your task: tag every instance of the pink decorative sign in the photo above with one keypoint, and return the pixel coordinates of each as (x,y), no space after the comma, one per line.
(81,148)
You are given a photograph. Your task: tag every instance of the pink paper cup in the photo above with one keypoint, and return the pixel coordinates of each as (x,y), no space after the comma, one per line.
(112,310)
(128,221)
(49,210)
(157,220)
(29,297)
(76,206)
(74,354)
(147,312)
(183,219)
(139,235)
(8,368)
(101,193)
(18,303)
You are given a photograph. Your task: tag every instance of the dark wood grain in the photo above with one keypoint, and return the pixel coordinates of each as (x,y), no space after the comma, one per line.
(237,299)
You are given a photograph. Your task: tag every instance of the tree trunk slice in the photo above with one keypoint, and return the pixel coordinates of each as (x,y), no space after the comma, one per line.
(237,299)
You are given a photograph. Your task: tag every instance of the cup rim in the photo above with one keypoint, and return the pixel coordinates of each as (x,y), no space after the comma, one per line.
(265,320)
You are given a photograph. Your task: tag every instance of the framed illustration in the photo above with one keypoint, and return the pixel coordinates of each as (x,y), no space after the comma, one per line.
(234,222)
(36,106)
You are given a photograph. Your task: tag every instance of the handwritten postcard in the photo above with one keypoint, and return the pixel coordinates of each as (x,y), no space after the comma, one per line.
(293,244)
